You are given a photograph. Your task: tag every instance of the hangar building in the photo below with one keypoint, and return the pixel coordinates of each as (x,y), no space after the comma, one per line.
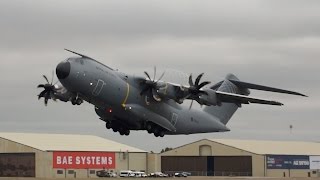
(61,155)
(226,157)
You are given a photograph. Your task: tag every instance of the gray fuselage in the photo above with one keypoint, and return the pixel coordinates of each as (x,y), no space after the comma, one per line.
(116,97)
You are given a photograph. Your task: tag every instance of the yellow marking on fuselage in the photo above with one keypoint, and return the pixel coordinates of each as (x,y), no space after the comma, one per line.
(165,92)
(127,95)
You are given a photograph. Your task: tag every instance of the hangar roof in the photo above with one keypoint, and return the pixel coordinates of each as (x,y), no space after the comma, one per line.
(273,147)
(67,142)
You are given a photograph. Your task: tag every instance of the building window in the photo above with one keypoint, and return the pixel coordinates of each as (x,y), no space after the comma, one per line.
(60,171)
(92,172)
(70,171)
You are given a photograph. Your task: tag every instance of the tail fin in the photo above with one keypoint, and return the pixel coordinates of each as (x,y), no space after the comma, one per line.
(226,110)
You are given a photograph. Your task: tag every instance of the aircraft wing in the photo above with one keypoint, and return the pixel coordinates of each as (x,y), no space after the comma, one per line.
(263,88)
(236,98)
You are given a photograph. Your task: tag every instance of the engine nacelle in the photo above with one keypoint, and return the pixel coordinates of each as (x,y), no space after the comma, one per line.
(211,99)
(170,91)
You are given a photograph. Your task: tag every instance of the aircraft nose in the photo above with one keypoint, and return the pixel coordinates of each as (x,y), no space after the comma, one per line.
(63,70)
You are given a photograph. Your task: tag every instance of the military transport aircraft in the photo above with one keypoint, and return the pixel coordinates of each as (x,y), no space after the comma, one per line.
(127,102)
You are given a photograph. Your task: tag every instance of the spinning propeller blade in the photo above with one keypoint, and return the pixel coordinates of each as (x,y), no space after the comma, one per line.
(151,85)
(49,89)
(194,89)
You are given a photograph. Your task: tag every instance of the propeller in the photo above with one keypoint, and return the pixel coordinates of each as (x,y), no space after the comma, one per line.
(151,85)
(194,91)
(49,89)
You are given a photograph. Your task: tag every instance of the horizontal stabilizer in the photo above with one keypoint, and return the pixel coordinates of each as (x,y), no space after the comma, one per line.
(241,99)
(263,88)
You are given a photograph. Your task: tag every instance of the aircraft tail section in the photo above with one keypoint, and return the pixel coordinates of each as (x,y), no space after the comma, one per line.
(226,110)
(231,93)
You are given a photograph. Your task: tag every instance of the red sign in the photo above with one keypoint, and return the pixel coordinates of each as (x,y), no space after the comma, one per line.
(84,160)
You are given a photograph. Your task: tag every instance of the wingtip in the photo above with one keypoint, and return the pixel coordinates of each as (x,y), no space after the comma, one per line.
(277,103)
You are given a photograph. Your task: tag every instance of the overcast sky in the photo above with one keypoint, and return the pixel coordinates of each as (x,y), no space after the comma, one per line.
(268,42)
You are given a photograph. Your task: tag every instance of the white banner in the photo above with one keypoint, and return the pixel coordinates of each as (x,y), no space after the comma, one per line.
(314,162)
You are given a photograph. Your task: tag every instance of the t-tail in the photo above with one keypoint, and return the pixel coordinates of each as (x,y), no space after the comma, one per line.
(225,110)
(232,92)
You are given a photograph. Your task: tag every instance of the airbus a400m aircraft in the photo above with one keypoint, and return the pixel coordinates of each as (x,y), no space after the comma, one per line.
(127,102)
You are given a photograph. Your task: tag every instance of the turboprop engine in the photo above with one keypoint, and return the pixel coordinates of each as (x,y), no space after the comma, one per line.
(210,98)
(172,92)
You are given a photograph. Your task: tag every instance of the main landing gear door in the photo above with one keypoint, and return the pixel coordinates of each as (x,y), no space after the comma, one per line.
(144,113)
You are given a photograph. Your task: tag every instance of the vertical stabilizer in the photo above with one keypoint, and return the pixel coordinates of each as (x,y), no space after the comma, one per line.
(226,110)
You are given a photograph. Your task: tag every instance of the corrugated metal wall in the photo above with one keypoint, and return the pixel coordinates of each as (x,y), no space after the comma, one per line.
(232,166)
(17,164)
(208,165)
(193,164)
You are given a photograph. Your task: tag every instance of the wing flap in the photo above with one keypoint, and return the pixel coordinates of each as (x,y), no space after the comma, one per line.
(236,98)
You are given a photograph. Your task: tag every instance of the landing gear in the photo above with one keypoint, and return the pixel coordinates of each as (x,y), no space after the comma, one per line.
(76,101)
(124,131)
(156,132)
(161,133)
(108,125)
(116,128)
(127,132)
(155,129)
(121,131)
(79,101)
(149,128)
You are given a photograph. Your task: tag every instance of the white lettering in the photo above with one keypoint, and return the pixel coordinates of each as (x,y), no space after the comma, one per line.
(83,159)
(69,159)
(98,160)
(93,158)
(58,159)
(88,160)
(104,160)
(78,161)
(64,160)
(301,163)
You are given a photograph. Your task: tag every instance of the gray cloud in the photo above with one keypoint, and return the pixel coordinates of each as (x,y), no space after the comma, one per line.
(267,42)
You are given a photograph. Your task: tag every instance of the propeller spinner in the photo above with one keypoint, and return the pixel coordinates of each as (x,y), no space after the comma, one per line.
(195,88)
(151,85)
